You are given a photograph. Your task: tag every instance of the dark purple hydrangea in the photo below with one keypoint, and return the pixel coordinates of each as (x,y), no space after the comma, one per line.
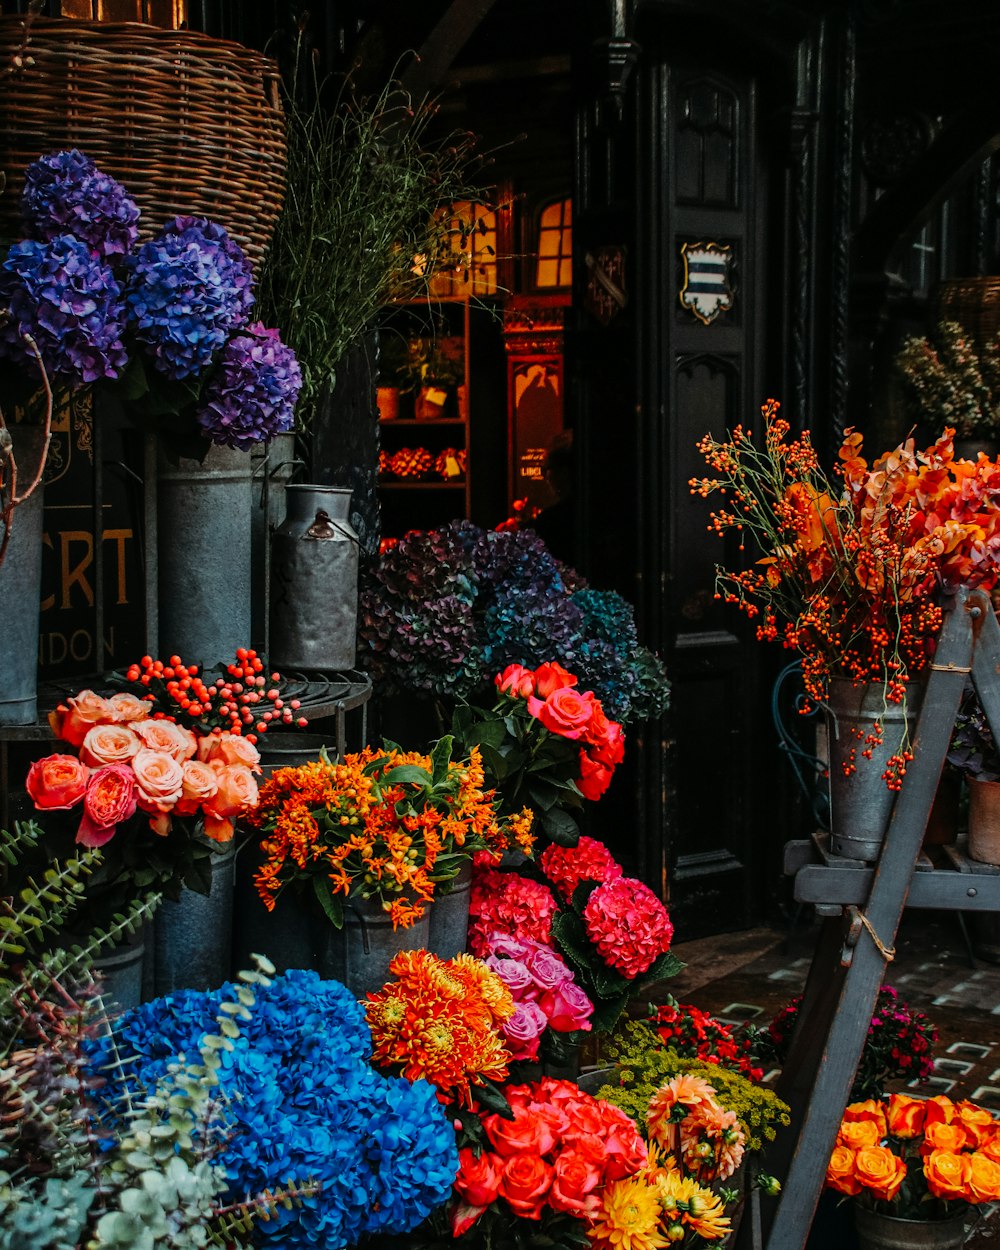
(252,395)
(66,193)
(69,301)
(187,291)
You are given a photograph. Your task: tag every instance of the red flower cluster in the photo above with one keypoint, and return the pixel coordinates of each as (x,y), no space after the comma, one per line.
(558,1152)
(628,924)
(505,903)
(695,1034)
(570,714)
(567,866)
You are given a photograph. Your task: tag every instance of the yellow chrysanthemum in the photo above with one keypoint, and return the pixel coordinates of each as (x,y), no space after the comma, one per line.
(629,1218)
(699,1208)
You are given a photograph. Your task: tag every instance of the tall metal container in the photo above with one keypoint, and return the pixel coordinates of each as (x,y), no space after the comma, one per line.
(21,587)
(314,581)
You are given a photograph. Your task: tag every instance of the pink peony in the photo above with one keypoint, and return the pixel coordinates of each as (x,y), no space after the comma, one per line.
(589,860)
(628,925)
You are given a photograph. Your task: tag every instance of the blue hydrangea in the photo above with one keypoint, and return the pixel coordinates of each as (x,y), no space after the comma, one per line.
(303,1106)
(252,394)
(65,193)
(70,302)
(187,290)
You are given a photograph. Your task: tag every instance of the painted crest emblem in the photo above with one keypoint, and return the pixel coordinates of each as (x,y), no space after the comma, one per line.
(605,295)
(706,290)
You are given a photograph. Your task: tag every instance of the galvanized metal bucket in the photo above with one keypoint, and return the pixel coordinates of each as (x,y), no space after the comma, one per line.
(204,555)
(359,954)
(192,938)
(121,970)
(314,582)
(884,1232)
(21,587)
(449,927)
(272,466)
(860,803)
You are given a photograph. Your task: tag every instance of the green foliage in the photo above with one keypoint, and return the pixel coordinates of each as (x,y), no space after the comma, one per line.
(644,1065)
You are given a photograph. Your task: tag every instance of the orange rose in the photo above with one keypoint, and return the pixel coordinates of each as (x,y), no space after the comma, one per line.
(236,794)
(564,712)
(159,780)
(109,800)
(478,1179)
(128,708)
(990,1143)
(840,1174)
(200,784)
(858,1134)
(166,736)
(108,744)
(71,720)
(57,783)
(230,749)
(906,1115)
(573,1185)
(977,1122)
(524,1183)
(947,1173)
(868,1110)
(939,1110)
(594,777)
(515,680)
(550,677)
(984,1178)
(880,1171)
(526,1133)
(951,1137)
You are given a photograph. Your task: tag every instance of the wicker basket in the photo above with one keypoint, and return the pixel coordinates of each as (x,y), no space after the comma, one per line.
(189,124)
(974,303)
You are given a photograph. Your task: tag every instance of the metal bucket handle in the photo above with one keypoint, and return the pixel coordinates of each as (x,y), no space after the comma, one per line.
(366,945)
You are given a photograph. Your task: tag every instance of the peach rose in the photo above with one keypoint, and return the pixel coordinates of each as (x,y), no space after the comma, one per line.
(564,712)
(57,783)
(109,800)
(906,1115)
(159,780)
(236,794)
(71,720)
(170,738)
(947,1173)
(551,677)
(880,1171)
(201,783)
(230,749)
(840,1173)
(108,744)
(128,707)
(984,1178)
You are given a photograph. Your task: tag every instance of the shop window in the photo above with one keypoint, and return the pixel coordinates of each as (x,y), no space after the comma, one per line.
(471,234)
(554,264)
(170,14)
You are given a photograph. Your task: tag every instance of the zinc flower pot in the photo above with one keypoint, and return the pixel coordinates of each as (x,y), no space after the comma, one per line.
(192,937)
(449,917)
(21,588)
(860,802)
(121,973)
(885,1232)
(359,954)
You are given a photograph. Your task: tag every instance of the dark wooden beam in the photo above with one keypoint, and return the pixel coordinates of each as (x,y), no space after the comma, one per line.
(439,50)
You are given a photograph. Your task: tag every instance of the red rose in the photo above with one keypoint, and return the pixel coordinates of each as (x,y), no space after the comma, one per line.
(109,800)
(551,677)
(524,1183)
(611,748)
(526,1133)
(478,1179)
(516,680)
(594,778)
(57,782)
(576,1177)
(564,712)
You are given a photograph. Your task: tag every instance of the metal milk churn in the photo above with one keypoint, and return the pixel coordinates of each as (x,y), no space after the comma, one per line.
(314,581)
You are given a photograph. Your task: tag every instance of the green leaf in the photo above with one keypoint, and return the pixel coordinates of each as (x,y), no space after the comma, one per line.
(560,826)
(667,965)
(332,907)
(407,774)
(441,758)
(492,1099)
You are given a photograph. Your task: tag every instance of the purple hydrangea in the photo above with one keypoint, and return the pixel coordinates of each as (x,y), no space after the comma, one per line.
(69,301)
(253,393)
(187,290)
(66,193)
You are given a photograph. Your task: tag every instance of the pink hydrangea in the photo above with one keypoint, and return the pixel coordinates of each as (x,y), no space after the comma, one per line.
(628,925)
(589,860)
(504,903)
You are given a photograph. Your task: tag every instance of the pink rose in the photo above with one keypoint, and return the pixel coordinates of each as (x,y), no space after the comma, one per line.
(515,680)
(57,783)
(70,721)
(594,777)
(564,712)
(170,738)
(159,780)
(551,677)
(576,1178)
(128,708)
(507,947)
(200,784)
(513,973)
(229,749)
(108,744)
(236,794)
(547,969)
(524,1029)
(567,1008)
(109,800)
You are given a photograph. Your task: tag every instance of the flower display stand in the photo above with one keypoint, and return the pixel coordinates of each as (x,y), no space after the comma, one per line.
(862,905)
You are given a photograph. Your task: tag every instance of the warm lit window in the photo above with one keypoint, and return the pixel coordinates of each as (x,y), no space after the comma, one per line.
(555,245)
(472,237)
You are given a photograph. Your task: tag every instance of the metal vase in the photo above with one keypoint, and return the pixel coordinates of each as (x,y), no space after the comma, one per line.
(203,517)
(272,465)
(884,1232)
(449,925)
(359,954)
(21,587)
(861,804)
(121,970)
(192,937)
(314,582)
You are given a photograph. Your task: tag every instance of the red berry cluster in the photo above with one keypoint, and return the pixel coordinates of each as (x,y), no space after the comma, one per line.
(241,701)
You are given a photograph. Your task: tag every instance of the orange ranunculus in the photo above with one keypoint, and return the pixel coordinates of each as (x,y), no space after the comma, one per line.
(906,1115)
(858,1134)
(984,1178)
(939,1110)
(57,783)
(945,1137)
(869,1110)
(109,800)
(947,1173)
(977,1122)
(880,1171)
(840,1174)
